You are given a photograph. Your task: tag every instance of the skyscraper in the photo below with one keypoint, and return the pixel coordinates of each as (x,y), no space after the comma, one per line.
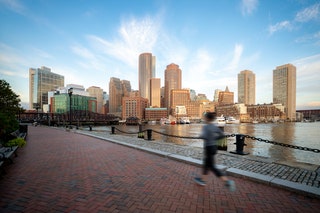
(146,72)
(41,81)
(115,96)
(284,89)
(126,88)
(117,90)
(172,80)
(155,93)
(246,87)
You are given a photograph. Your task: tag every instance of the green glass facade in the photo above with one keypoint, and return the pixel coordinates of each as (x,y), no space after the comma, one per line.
(61,103)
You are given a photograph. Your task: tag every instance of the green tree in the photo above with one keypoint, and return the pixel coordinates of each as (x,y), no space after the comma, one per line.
(9,108)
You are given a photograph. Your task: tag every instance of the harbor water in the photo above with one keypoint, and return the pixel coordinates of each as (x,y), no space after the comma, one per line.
(299,134)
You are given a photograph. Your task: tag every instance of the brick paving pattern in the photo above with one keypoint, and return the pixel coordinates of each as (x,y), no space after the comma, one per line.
(247,163)
(60,171)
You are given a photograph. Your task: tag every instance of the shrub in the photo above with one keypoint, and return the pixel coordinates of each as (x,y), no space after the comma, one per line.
(16,142)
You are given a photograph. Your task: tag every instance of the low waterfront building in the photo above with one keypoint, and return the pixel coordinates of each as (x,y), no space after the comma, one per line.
(81,101)
(60,103)
(155,114)
(238,111)
(250,113)
(134,107)
(266,112)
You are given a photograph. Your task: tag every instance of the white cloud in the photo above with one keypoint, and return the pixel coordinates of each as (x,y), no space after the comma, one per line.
(284,25)
(237,53)
(134,37)
(308,79)
(308,14)
(305,15)
(14,5)
(315,38)
(248,6)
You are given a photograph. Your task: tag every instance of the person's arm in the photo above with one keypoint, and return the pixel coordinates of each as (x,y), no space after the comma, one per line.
(219,133)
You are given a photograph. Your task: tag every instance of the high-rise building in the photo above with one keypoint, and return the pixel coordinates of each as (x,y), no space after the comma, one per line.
(97,92)
(117,90)
(226,97)
(216,95)
(41,81)
(146,72)
(246,87)
(179,97)
(115,96)
(155,92)
(284,89)
(172,80)
(126,88)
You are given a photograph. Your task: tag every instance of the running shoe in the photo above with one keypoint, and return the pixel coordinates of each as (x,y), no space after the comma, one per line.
(199,181)
(231,185)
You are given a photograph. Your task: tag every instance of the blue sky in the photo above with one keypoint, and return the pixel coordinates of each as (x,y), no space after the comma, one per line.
(212,41)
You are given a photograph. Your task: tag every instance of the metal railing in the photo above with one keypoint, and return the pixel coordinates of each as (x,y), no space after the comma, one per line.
(240,140)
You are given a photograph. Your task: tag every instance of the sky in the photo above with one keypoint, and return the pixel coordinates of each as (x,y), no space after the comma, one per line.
(88,42)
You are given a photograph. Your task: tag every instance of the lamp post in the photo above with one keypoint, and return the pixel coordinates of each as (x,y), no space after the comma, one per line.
(70,90)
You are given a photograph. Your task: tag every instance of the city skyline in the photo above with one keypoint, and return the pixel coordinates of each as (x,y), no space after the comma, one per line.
(211,41)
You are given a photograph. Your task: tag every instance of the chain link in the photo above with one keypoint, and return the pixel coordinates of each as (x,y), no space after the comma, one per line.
(283,144)
(233,135)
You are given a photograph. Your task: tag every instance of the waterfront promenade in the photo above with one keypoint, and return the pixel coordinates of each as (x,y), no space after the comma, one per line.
(68,171)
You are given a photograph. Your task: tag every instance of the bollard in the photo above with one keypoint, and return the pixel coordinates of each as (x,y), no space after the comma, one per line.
(90,128)
(149,134)
(112,129)
(239,145)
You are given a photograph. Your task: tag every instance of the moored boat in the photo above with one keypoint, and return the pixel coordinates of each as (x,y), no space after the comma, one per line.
(220,121)
(232,120)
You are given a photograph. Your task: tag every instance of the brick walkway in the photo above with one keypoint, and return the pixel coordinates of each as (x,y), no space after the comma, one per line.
(59,171)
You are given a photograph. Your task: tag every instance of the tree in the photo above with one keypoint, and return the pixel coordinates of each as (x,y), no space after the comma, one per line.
(9,107)
(9,101)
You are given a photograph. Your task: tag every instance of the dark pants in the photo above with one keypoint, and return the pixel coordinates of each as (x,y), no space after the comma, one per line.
(209,164)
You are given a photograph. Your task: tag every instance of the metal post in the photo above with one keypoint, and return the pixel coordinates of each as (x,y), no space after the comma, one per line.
(239,145)
(70,90)
(112,129)
(149,134)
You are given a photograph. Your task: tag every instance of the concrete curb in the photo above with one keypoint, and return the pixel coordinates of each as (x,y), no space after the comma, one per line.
(265,179)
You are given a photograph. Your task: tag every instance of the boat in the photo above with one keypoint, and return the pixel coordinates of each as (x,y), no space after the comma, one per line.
(220,121)
(255,121)
(152,122)
(232,120)
(183,120)
(164,121)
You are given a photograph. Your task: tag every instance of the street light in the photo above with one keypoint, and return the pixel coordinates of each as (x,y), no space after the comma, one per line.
(70,90)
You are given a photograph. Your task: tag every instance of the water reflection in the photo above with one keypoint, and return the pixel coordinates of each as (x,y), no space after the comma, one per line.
(301,134)
(287,134)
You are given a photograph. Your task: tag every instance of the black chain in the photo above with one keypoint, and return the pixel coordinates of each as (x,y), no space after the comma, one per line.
(283,144)
(127,132)
(233,135)
(176,136)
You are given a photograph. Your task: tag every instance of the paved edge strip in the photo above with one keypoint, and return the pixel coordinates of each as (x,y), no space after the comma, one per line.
(266,179)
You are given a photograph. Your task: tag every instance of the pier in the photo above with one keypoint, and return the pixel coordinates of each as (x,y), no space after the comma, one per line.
(63,170)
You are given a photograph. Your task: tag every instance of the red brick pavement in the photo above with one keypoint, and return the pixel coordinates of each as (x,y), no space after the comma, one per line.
(59,171)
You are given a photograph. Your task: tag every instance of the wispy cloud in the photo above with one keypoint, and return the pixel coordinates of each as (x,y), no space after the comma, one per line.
(307,81)
(315,38)
(248,6)
(134,37)
(303,16)
(237,53)
(309,13)
(284,25)
(14,5)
